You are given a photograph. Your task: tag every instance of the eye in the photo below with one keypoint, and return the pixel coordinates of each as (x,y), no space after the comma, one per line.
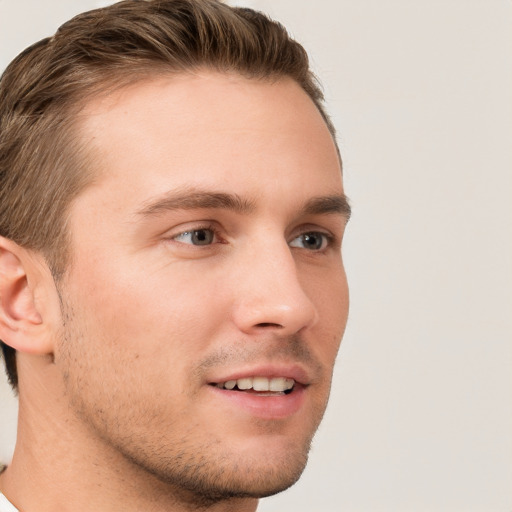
(202,236)
(312,241)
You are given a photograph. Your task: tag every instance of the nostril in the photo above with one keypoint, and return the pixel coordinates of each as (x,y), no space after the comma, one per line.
(269,324)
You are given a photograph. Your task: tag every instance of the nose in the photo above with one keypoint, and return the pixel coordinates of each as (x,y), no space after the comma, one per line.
(270,296)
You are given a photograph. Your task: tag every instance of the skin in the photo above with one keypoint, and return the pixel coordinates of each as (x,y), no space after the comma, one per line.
(117,362)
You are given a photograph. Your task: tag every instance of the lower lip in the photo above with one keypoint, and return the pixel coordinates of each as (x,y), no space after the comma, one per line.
(264,407)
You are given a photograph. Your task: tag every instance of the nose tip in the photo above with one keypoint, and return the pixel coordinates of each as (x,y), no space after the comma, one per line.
(285,319)
(273,298)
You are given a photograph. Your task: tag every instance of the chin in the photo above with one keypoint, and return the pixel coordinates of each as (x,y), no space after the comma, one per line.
(240,482)
(230,476)
(268,479)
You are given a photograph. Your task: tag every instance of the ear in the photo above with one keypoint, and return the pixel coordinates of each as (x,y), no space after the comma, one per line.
(22,325)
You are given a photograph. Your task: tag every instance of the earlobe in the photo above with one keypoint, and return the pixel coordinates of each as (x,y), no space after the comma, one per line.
(21,324)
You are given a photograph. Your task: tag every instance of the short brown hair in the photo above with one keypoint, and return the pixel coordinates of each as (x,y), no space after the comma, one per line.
(43,165)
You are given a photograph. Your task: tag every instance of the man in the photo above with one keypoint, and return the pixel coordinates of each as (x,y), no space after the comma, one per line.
(172,293)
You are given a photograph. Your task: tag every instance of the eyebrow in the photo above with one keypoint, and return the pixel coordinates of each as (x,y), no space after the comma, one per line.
(198,199)
(337,204)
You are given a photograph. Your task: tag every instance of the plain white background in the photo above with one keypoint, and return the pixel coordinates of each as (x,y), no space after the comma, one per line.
(421,92)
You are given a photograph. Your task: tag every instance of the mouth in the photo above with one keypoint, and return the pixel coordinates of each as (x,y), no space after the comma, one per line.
(269,392)
(261,386)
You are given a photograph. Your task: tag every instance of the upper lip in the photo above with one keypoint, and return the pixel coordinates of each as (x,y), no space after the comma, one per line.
(296,372)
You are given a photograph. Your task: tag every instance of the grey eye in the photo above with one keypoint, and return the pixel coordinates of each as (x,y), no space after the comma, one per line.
(196,237)
(313,241)
(202,236)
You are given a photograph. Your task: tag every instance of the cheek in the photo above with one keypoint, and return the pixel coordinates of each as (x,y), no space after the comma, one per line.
(156,312)
(329,293)
(130,346)
(327,288)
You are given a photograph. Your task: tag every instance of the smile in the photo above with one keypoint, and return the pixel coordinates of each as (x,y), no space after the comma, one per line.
(272,386)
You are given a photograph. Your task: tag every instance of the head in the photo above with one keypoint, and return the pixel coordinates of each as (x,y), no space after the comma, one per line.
(171,165)
(43,166)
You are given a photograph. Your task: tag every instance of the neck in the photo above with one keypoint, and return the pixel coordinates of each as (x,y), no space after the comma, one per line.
(58,464)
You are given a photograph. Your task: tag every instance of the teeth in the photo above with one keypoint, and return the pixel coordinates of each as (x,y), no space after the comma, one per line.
(276,384)
(260,384)
(244,383)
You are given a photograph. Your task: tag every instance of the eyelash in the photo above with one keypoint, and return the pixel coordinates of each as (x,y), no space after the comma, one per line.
(195,229)
(328,239)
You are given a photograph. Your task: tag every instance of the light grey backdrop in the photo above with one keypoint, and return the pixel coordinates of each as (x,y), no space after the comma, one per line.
(421,93)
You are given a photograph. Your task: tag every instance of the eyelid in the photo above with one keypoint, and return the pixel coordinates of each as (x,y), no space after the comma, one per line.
(311,228)
(172,235)
(326,242)
(333,239)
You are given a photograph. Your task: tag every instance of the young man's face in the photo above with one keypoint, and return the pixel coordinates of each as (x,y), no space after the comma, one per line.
(206,254)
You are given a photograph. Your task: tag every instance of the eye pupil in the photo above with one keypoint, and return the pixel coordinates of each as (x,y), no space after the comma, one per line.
(202,237)
(313,241)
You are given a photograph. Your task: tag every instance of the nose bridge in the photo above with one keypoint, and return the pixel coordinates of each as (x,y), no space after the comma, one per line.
(270,294)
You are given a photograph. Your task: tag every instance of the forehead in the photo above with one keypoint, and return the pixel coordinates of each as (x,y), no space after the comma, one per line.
(210,129)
